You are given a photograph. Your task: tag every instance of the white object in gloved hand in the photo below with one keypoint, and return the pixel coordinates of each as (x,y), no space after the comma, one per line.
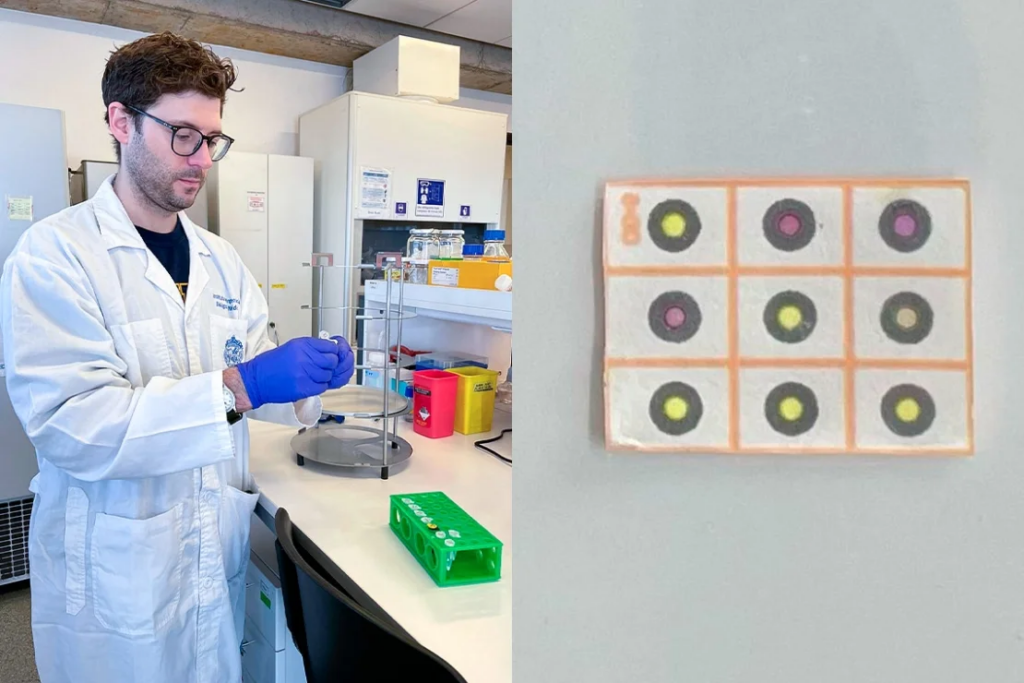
(300,368)
(326,336)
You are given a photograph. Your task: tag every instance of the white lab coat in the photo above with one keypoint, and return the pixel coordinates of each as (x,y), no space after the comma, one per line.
(139,538)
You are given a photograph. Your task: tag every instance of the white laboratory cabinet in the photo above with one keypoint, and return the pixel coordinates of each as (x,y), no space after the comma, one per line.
(33,185)
(269,654)
(396,159)
(89,176)
(263,205)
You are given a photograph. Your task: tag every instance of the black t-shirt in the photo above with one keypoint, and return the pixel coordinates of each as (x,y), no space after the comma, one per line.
(172,251)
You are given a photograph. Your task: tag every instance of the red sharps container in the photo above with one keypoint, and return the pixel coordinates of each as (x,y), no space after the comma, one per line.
(434,403)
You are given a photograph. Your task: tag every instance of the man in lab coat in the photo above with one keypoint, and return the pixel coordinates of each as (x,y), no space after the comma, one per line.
(135,343)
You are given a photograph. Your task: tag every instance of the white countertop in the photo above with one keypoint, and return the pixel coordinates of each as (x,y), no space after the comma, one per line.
(346,516)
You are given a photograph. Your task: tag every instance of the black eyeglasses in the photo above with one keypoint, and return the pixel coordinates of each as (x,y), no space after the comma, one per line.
(186,141)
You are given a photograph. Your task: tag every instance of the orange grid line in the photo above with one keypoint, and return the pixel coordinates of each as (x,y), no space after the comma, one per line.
(906,271)
(771,271)
(850,413)
(796,362)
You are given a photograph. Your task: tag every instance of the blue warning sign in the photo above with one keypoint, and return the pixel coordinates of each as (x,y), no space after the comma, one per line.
(430,198)
(464,211)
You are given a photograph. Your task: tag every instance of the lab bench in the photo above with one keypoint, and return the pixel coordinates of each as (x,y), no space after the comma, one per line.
(346,516)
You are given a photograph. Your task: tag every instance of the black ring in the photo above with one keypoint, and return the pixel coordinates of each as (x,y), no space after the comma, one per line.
(803,235)
(695,408)
(689,236)
(887,225)
(656,316)
(791,390)
(924,401)
(807,310)
(907,335)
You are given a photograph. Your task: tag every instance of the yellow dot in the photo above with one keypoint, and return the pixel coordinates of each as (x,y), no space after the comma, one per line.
(908,410)
(676,408)
(906,318)
(673,225)
(791,409)
(790,317)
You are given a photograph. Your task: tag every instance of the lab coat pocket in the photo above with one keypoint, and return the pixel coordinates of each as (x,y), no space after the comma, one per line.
(76,518)
(227,341)
(235,515)
(142,345)
(137,571)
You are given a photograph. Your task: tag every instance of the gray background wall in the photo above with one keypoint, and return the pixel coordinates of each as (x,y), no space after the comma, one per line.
(761,569)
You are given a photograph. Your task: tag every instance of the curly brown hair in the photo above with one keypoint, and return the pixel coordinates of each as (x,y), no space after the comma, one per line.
(139,73)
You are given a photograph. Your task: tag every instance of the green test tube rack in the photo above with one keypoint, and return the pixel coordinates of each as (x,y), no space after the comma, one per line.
(450,545)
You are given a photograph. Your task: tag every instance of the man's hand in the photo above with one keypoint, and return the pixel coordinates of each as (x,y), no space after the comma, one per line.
(298,369)
(346,364)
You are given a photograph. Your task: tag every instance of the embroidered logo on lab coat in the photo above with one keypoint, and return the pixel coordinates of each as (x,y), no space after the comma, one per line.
(233,352)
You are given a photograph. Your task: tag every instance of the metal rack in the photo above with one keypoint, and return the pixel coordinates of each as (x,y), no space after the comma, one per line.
(335,440)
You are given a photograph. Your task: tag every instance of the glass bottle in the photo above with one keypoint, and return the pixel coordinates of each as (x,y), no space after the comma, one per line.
(417,251)
(494,246)
(450,245)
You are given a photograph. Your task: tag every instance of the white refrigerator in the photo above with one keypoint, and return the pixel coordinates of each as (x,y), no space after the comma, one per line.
(33,185)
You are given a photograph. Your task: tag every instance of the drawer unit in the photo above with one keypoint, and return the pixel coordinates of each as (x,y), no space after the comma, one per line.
(260,660)
(262,664)
(270,655)
(264,604)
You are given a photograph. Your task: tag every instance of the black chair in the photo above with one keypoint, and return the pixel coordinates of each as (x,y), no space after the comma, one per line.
(339,639)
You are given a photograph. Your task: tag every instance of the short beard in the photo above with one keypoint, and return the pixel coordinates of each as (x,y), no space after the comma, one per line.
(153,182)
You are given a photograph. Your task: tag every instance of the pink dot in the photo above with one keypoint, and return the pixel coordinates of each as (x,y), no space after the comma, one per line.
(905,226)
(789,225)
(675,317)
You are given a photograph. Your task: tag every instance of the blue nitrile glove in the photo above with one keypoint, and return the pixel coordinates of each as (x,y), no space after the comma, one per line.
(346,364)
(298,369)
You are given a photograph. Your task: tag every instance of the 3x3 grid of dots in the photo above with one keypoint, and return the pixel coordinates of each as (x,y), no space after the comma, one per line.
(818,221)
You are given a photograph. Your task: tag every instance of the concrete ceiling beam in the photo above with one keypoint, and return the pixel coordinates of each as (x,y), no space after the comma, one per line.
(289,28)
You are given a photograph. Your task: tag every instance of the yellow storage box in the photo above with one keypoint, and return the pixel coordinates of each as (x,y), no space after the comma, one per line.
(467,274)
(474,400)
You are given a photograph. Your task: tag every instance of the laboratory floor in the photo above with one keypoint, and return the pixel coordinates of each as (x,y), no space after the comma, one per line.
(17,659)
